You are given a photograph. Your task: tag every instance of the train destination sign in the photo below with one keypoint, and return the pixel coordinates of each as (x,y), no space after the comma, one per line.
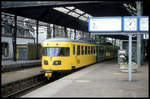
(118,24)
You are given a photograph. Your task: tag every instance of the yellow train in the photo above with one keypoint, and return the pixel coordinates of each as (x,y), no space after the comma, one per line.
(64,54)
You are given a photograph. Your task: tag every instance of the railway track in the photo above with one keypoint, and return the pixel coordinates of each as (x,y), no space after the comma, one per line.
(20,92)
(33,87)
(39,84)
(36,85)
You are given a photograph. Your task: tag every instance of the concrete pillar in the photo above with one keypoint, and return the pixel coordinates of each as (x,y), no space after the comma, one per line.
(14,38)
(53,31)
(37,36)
(139,44)
(89,34)
(130,58)
(75,33)
(48,31)
(65,30)
(115,42)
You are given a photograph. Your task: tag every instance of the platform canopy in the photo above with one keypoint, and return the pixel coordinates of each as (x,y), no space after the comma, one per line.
(72,14)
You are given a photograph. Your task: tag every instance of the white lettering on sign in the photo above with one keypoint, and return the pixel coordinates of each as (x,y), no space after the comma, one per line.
(104,24)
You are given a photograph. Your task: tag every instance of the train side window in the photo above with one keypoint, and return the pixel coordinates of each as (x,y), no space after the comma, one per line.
(82,50)
(78,50)
(85,50)
(91,49)
(65,51)
(88,49)
(73,49)
(111,49)
(94,49)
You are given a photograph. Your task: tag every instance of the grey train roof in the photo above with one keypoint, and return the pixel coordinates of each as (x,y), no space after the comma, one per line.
(68,40)
(108,43)
(88,40)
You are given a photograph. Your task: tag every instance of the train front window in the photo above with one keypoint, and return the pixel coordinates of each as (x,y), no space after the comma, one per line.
(55,51)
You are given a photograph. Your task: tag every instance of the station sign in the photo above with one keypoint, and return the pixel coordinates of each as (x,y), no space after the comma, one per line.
(105,24)
(143,23)
(118,24)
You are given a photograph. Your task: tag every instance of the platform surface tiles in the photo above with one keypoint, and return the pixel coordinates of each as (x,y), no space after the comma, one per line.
(98,80)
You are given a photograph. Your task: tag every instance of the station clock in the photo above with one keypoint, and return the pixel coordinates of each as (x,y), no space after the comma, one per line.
(130,24)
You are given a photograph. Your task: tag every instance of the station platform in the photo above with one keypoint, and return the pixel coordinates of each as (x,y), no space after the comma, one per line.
(99,80)
(10,65)
(9,77)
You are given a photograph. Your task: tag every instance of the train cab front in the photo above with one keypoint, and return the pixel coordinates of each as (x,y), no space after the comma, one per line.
(54,59)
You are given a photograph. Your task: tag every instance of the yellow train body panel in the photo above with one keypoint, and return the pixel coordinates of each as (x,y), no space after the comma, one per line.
(67,62)
(65,54)
(65,65)
(83,60)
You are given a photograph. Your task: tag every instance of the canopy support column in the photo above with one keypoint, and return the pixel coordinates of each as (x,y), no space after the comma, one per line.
(14,38)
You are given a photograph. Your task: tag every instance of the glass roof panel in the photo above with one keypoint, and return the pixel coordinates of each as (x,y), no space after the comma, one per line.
(87,15)
(70,7)
(73,14)
(83,18)
(78,11)
(61,9)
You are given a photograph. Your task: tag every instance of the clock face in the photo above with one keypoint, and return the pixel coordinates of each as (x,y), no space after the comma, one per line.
(130,24)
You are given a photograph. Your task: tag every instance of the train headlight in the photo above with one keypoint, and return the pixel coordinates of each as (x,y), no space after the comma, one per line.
(57,63)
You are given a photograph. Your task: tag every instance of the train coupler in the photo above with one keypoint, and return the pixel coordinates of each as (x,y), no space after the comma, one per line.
(47,73)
